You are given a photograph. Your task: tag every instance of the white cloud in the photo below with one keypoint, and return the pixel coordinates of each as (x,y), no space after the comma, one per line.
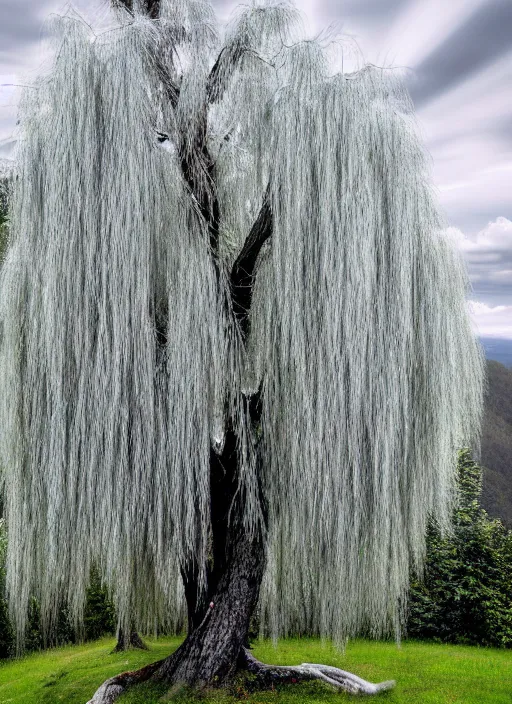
(488,255)
(496,237)
(491,321)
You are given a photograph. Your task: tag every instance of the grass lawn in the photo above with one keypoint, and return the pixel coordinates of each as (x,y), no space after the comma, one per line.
(425,674)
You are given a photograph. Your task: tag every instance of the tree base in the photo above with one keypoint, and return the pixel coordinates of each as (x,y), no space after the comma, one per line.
(134,641)
(266,676)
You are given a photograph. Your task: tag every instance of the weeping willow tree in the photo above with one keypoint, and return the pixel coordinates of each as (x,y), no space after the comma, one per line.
(236,363)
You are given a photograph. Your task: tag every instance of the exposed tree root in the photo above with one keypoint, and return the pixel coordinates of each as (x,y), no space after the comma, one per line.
(111,689)
(266,676)
(346,681)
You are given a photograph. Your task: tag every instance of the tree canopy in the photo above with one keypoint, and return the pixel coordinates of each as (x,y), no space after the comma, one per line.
(214,236)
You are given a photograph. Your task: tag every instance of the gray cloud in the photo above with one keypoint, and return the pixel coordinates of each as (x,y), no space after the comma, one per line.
(7,148)
(489,259)
(21,26)
(372,10)
(484,37)
(503,130)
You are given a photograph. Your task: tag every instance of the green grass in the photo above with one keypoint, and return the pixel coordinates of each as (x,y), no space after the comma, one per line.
(71,674)
(425,674)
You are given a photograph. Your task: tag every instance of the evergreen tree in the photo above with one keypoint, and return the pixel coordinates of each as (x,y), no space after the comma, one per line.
(465,595)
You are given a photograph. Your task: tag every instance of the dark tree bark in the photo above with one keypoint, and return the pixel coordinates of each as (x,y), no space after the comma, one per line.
(210,653)
(151,7)
(219,620)
(127,641)
(231,572)
(243,272)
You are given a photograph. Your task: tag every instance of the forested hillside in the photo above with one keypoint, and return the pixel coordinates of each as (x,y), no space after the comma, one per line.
(498,349)
(497,443)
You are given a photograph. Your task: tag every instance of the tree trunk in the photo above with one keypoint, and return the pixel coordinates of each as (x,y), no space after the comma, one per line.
(219,619)
(125,641)
(215,650)
(210,653)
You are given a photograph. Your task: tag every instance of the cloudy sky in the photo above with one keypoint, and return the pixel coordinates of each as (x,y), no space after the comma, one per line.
(458,56)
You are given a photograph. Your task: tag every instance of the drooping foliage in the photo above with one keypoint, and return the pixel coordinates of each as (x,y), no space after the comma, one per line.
(99,616)
(465,593)
(379,381)
(121,360)
(109,294)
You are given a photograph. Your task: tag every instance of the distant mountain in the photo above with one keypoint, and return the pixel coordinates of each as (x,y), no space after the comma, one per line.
(498,349)
(496,456)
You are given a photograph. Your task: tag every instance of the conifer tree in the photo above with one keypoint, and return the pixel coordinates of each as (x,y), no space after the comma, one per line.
(464,594)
